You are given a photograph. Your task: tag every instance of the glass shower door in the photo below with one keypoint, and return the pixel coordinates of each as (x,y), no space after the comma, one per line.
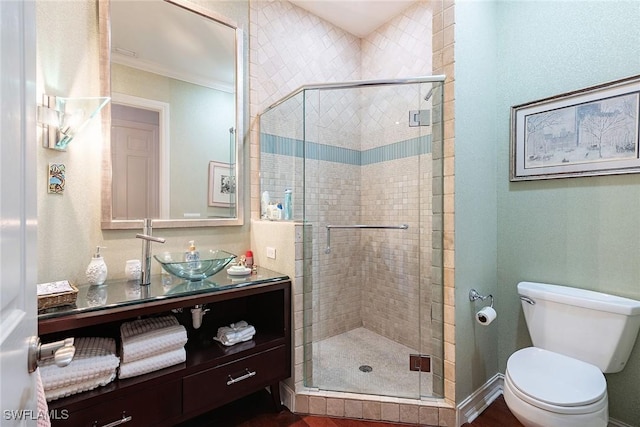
(368,213)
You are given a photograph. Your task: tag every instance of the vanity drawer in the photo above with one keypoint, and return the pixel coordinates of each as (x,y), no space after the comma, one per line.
(148,407)
(222,384)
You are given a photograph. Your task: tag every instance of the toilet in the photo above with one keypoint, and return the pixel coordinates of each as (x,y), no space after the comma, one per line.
(577,335)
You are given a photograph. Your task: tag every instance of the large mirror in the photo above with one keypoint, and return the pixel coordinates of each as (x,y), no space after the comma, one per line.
(173,141)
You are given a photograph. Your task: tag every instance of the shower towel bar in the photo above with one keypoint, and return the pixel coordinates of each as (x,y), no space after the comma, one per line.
(387,227)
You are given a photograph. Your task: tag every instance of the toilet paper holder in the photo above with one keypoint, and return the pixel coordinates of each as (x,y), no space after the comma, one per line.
(475,295)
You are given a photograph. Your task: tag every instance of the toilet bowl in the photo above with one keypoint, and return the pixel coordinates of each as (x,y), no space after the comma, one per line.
(546,389)
(577,335)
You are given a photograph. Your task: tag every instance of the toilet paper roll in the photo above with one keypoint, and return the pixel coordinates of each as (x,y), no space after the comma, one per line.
(486,315)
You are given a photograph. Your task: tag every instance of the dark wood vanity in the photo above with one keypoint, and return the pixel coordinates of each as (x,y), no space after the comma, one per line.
(212,375)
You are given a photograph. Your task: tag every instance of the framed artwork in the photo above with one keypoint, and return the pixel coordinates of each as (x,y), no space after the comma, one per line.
(592,131)
(222,184)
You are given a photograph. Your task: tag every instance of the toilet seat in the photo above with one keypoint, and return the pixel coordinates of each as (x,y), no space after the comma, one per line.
(555,382)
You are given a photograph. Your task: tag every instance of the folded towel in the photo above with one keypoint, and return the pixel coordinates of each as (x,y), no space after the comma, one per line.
(149,337)
(94,358)
(68,390)
(153,363)
(230,335)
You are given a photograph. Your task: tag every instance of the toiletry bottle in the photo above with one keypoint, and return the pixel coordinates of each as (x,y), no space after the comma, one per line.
(264,204)
(249,259)
(97,269)
(192,256)
(271,211)
(288,208)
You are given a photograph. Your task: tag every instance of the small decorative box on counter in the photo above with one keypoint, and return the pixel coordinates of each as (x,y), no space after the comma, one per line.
(55,294)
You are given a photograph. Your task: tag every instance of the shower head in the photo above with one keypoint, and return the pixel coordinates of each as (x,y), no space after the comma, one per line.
(428,95)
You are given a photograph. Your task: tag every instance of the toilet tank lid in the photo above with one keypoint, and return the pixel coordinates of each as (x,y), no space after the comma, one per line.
(580,297)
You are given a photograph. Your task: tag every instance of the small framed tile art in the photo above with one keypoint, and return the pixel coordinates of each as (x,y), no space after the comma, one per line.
(57,180)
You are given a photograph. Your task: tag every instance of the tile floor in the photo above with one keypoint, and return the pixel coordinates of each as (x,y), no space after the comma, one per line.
(338,361)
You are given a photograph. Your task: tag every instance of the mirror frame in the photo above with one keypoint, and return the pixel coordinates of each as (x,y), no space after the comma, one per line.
(107,221)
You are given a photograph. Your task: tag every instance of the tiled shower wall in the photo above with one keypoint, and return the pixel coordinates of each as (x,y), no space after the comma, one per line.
(281,62)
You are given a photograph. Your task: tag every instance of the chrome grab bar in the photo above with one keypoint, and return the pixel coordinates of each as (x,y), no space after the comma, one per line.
(527,300)
(378,227)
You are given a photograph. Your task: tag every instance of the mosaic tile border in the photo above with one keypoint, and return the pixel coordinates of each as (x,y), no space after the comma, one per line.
(273,144)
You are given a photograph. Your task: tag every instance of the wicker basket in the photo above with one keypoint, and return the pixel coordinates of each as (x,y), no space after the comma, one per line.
(59,299)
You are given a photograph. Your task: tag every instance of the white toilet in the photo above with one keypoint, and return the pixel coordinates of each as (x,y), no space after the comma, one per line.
(577,335)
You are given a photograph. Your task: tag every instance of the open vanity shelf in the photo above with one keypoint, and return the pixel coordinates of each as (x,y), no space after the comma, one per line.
(212,375)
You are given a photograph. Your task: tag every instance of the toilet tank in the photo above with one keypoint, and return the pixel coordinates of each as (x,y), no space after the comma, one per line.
(590,326)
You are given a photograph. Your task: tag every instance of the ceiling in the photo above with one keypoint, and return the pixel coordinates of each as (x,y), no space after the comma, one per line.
(165,39)
(162,38)
(358,17)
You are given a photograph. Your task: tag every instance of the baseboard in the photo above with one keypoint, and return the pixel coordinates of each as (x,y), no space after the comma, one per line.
(616,423)
(287,395)
(469,409)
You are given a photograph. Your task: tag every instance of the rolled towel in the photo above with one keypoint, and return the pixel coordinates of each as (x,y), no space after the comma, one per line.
(234,327)
(230,336)
(239,325)
(143,338)
(94,358)
(153,363)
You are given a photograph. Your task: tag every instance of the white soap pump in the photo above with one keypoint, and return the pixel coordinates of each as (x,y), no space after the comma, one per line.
(97,269)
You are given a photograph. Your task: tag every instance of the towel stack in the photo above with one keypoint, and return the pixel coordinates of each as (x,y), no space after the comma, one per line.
(148,345)
(94,364)
(236,332)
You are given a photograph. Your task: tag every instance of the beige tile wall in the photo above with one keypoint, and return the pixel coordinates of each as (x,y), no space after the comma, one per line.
(393,273)
(444,63)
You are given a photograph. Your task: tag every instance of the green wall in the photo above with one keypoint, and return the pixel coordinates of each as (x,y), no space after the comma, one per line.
(475,192)
(582,232)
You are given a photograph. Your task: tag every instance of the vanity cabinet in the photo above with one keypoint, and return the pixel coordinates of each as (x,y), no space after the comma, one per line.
(212,375)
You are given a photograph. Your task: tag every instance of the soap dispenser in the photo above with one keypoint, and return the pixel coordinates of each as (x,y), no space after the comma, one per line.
(192,256)
(97,269)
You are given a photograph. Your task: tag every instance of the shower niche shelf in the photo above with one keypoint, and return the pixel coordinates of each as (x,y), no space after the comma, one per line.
(212,375)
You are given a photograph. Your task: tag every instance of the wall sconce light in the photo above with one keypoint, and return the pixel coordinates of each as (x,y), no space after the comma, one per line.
(63,118)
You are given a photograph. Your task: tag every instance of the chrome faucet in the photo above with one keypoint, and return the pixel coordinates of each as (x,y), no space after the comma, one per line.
(147,238)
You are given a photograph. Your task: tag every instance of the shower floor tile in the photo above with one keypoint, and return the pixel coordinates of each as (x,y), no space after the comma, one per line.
(340,364)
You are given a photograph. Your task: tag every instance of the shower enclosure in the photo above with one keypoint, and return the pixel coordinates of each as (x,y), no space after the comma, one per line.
(364,162)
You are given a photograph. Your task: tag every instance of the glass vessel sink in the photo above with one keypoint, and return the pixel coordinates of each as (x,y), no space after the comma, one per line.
(211,261)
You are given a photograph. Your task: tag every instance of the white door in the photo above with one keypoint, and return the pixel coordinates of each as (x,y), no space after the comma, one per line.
(18,263)
(136,164)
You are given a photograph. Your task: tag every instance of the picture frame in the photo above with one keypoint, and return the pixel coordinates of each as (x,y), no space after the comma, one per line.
(592,131)
(222,184)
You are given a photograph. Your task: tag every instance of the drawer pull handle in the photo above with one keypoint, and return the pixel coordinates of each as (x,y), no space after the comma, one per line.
(249,374)
(121,421)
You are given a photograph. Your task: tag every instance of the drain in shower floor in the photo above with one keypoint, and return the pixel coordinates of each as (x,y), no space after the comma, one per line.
(365,368)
